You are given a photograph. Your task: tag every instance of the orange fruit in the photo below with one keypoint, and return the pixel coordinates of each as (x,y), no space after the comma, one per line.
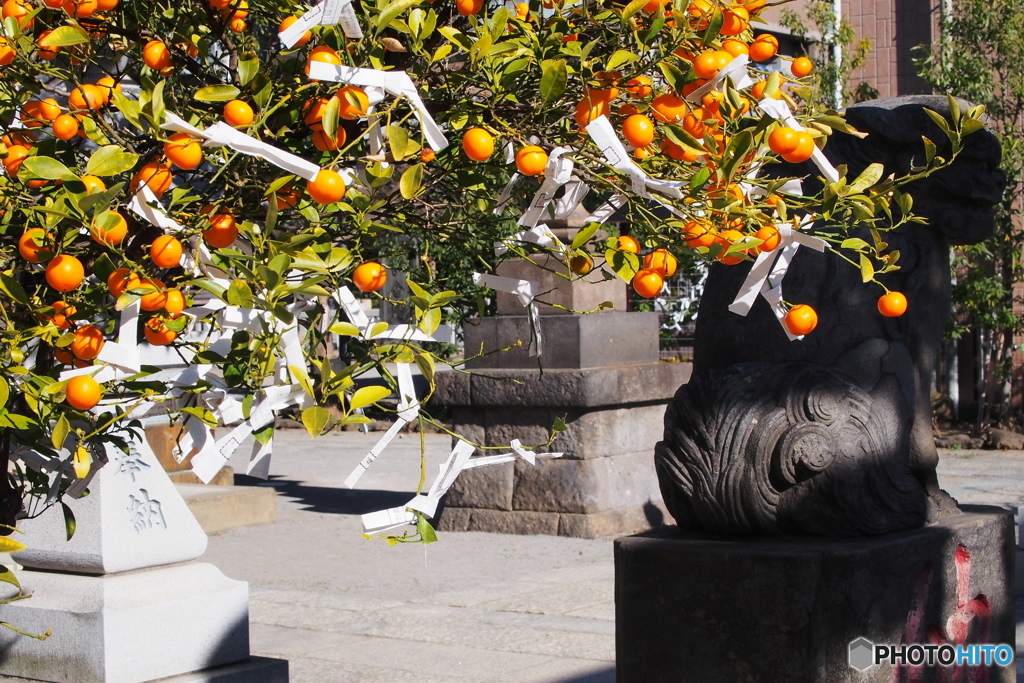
(770,236)
(693,123)
(93,184)
(62,314)
(288,21)
(65,127)
(638,130)
(236,9)
(106,5)
(709,63)
(86,96)
(120,281)
(175,302)
(587,111)
(165,251)
(108,86)
(223,230)
(640,86)
(36,112)
(581,264)
(801,320)
(478,144)
(237,25)
(80,8)
(700,13)
(648,283)
(287,197)
(326,144)
(184,151)
(661,262)
(736,20)
(369,276)
(154,299)
(88,342)
(19,11)
(469,7)
(757,91)
(156,176)
(669,108)
(112,235)
(627,109)
(7,52)
(628,243)
(16,154)
(64,272)
(677,152)
(156,55)
(764,47)
(238,114)
(804,149)
(427,155)
(783,140)
(735,47)
(754,6)
(327,187)
(892,304)
(801,66)
(313,112)
(322,53)
(82,392)
(531,160)
(31,245)
(727,238)
(353,102)
(157,333)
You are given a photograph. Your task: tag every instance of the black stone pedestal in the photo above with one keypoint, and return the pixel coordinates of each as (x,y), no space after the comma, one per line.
(700,608)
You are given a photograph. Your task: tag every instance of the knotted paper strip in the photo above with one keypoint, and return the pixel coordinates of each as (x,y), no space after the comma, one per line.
(601,132)
(327,13)
(526,291)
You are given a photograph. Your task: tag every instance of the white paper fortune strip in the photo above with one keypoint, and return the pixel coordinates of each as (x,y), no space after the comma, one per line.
(557,173)
(375,452)
(395,83)
(518,452)
(408,404)
(539,234)
(601,132)
(526,291)
(780,111)
(357,316)
(736,70)
(222,135)
(606,210)
(327,13)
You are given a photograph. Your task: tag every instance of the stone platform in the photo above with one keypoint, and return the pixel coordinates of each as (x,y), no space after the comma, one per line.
(700,608)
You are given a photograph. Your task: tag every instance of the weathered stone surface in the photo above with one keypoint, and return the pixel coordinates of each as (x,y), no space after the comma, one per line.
(564,388)
(959,441)
(579,294)
(483,487)
(578,341)
(499,521)
(595,525)
(126,628)
(217,508)
(694,607)
(586,486)
(1004,440)
(618,522)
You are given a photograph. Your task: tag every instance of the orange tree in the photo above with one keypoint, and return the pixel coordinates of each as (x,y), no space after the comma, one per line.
(183,189)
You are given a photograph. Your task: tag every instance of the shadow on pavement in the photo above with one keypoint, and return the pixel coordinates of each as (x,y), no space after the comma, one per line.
(602,676)
(339,501)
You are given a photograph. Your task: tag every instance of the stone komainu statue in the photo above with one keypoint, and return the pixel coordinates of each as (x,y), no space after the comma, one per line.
(831,435)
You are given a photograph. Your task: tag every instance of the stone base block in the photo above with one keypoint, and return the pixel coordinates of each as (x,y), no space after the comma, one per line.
(126,628)
(217,508)
(693,607)
(578,294)
(570,341)
(254,669)
(598,525)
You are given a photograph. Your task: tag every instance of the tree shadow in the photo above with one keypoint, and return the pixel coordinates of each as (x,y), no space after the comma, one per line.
(340,501)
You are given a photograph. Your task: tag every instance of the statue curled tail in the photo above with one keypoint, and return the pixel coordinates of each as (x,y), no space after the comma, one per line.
(760,448)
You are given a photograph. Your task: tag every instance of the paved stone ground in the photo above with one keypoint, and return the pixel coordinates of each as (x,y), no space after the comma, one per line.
(473,607)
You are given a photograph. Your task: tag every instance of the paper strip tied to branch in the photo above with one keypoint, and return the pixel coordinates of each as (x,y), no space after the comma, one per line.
(327,13)
(358,317)
(601,132)
(395,83)
(408,410)
(780,111)
(736,70)
(526,291)
(557,173)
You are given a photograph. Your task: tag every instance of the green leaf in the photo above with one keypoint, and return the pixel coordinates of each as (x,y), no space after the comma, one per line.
(411,181)
(48,168)
(558,426)
(70,525)
(378,328)
(584,235)
(314,419)
(248,67)
(110,160)
(871,175)
(624,263)
(367,396)
(9,545)
(398,140)
(344,329)
(929,149)
(431,320)
(425,362)
(426,532)
(239,294)
(553,79)
(302,377)
(867,271)
(417,290)
(620,58)
(13,289)
(204,415)
(60,432)
(217,93)
(854,243)
(632,8)
(64,36)
(330,116)
(7,576)
(392,11)
(5,392)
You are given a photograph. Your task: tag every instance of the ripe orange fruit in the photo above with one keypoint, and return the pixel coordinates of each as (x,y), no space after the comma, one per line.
(801,66)
(238,114)
(804,149)
(587,111)
(7,52)
(32,245)
(727,238)
(478,144)
(662,262)
(771,237)
(648,283)
(36,112)
(353,102)
(65,127)
(120,281)
(110,235)
(628,243)
(764,47)
(106,5)
(427,155)
(165,251)
(783,140)
(638,130)
(669,108)
(288,21)
(86,96)
(88,342)
(736,20)
(709,63)
(531,160)
(223,230)
(156,176)
(640,86)
(313,112)
(677,152)
(82,392)
(108,86)
(735,47)
(757,91)
(693,123)
(327,187)
(326,144)
(157,333)
(155,298)
(16,154)
(62,314)
(323,53)
(468,7)
(175,302)
(801,320)
(80,8)
(156,55)
(19,11)
(238,25)
(369,276)
(581,264)
(184,151)
(892,304)
(64,273)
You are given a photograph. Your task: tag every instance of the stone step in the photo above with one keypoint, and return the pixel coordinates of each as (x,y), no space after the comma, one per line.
(224,507)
